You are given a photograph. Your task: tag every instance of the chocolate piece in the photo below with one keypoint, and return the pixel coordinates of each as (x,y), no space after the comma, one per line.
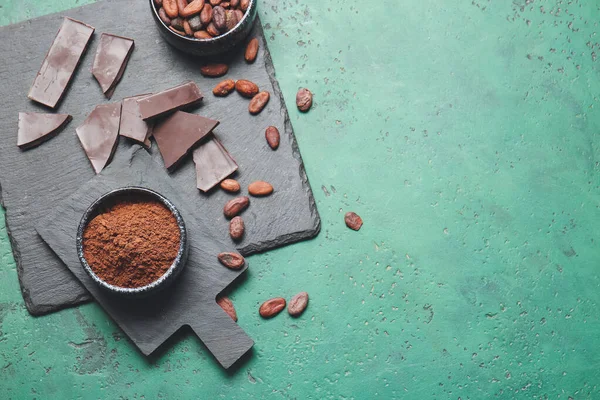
(132,124)
(111,59)
(186,94)
(35,128)
(178,134)
(60,62)
(99,134)
(213,164)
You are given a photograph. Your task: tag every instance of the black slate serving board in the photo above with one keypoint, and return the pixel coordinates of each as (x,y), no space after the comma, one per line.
(33,181)
(191,299)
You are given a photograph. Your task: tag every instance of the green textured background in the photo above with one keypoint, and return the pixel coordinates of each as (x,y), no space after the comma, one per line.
(465,135)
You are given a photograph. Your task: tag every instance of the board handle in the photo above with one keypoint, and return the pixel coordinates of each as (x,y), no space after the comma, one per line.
(222,336)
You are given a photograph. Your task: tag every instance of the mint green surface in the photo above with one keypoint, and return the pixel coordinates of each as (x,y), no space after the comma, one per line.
(465,134)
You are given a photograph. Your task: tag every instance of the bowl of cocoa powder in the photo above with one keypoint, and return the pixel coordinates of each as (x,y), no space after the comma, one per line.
(204,27)
(132,241)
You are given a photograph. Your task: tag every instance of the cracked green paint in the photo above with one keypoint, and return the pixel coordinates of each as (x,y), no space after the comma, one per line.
(464,133)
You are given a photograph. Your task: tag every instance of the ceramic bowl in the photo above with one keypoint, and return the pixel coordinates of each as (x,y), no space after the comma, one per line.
(207,47)
(134,193)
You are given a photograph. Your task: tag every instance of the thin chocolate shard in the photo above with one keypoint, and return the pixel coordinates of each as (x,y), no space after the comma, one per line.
(111,59)
(170,100)
(60,63)
(213,164)
(132,124)
(99,134)
(36,128)
(178,134)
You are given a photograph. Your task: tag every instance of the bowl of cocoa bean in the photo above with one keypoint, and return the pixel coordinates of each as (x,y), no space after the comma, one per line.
(132,242)
(204,27)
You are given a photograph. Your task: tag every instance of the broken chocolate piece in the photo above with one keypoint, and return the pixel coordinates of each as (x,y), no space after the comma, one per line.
(213,164)
(186,94)
(111,59)
(99,134)
(178,134)
(60,63)
(132,124)
(35,128)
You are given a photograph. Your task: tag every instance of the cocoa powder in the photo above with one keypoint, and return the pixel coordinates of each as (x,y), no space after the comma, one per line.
(132,243)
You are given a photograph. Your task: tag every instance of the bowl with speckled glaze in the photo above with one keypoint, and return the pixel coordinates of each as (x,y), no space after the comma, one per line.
(207,47)
(133,193)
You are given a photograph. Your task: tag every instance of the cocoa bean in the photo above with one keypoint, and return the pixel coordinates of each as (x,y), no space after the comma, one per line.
(171,9)
(271,307)
(230,185)
(187,29)
(195,23)
(225,303)
(236,228)
(202,35)
(163,16)
(214,70)
(251,51)
(219,18)
(353,221)
(304,99)
(194,7)
(260,188)
(244,4)
(206,14)
(212,30)
(258,102)
(236,206)
(177,23)
(231,260)
(298,304)
(181,5)
(246,88)
(272,136)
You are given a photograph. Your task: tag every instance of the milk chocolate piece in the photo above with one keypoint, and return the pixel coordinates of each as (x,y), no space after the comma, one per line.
(213,164)
(99,134)
(132,124)
(111,59)
(60,63)
(179,133)
(35,128)
(186,94)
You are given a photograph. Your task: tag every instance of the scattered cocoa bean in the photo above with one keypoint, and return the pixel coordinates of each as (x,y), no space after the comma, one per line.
(304,99)
(251,51)
(231,260)
(272,136)
(223,88)
(236,206)
(171,9)
(230,185)
(258,102)
(193,8)
(298,304)
(353,221)
(225,303)
(212,30)
(271,307)
(202,35)
(246,88)
(164,17)
(260,188)
(236,228)
(214,70)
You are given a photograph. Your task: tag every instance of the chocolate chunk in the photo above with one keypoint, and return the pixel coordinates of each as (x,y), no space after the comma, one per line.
(213,164)
(186,94)
(60,62)
(132,124)
(35,128)
(178,134)
(111,59)
(99,134)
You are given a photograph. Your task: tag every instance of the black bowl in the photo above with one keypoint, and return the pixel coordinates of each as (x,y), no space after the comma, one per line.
(207,47)
(134,193)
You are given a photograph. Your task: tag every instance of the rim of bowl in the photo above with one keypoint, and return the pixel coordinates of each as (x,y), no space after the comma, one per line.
(211,40)
(132,190)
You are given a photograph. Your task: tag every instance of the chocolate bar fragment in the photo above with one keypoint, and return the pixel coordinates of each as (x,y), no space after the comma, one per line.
(60,63)
(179,133)
(99,134)
(111,59)
(132,124)
(167,101)
(213,164)
(36,128)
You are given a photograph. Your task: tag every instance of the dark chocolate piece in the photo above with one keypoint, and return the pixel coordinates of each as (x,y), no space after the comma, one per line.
(213,164)
(111,59)
(35,128)
(178,134)
(186,94)
(60,62)
(99,134)
(132,124)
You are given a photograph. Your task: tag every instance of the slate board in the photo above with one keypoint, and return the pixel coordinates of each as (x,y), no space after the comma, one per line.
(191,300)
(33,181)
